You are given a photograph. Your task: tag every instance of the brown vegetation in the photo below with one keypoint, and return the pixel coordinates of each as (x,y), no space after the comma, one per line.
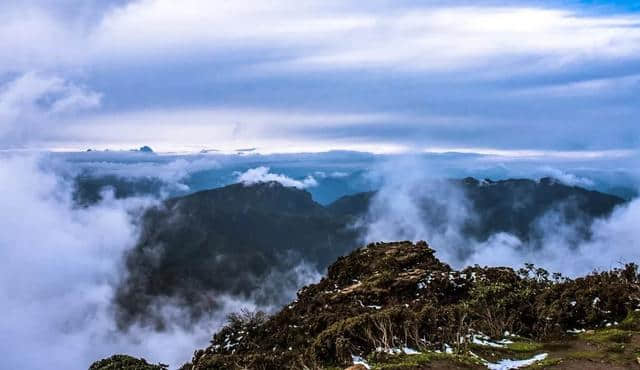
(392,295)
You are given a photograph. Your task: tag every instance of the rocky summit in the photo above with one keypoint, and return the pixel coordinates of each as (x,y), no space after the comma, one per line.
(396,306)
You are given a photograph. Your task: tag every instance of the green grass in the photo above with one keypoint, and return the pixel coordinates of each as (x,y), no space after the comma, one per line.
(524,346)
(545,363)
(402,361)
(607,336)
(632,321)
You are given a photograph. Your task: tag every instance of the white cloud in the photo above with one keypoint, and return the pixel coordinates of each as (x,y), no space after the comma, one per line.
(593,87)
(614,242)
(222,128)
(63,261)
(32,38)
(532,154)
(33,98)
(63,265)
(262,174)
(397,212)
(451,38)
(332,175)
(327,34)
(173,172)
(280,39)
(566,178)
(414,38)
(167,26)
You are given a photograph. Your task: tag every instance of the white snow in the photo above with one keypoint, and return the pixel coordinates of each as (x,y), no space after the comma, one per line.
(484,340)
(447,348)
(357,360)
(507,364)
(397,351)
(409,351)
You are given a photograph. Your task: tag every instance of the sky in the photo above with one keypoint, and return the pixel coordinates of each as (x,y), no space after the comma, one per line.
(236,91)
(544,78)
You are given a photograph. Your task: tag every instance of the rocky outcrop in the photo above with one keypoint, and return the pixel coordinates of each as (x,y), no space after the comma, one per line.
(395,298)
(124,362)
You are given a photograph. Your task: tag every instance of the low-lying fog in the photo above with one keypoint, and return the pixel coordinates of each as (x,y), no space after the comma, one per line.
(63,258)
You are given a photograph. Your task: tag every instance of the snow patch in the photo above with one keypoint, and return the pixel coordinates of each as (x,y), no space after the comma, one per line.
(357,360)
(507,364)
(409,351)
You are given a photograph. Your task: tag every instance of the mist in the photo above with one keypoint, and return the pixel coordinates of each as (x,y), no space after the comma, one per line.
(61,266)
(570,246)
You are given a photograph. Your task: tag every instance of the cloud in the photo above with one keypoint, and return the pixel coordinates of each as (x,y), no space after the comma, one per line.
(322,35)
(398,212)
(613,242)
(65,265)
(33,99)
(408,38)
(331,175)
(310,35)
(173,171)
(262,174)
(398,77)
(589,87)
(44,93)
(64,260)
(546,155)
(567,178)
(226,128)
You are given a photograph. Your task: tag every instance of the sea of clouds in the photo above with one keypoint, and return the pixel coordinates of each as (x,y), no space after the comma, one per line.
(63,261)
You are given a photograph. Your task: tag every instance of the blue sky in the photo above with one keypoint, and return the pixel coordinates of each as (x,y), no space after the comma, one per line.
(384,76)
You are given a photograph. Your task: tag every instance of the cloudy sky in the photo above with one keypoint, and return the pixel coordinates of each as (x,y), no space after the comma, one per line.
(539,88)
(558,78)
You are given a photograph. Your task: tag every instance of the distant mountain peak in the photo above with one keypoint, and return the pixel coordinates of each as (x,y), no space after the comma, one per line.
(268,197)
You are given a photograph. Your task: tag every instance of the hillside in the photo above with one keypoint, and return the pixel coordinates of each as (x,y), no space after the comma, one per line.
(227,240)
(396,306)
(246,240)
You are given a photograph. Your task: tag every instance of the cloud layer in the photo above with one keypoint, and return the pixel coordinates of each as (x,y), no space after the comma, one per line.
(65,260)
(385,76)
(398,213)
(62,266)
(32,101)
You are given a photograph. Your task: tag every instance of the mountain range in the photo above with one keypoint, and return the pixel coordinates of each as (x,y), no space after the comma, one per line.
(250,241)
